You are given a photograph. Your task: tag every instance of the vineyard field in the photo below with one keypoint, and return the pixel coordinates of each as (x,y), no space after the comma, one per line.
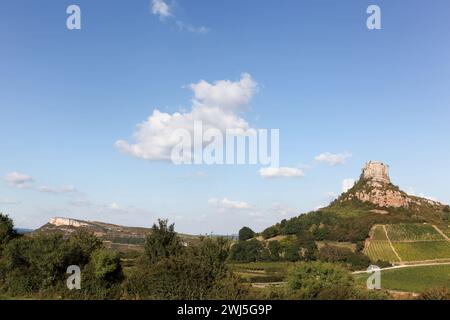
(425,250)
(412,232)
(381,250)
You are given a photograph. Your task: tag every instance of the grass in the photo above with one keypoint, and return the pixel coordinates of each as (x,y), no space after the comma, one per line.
(426,250)
(414,279)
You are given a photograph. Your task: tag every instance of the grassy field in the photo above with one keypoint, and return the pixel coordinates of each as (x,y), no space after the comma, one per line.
(414,279)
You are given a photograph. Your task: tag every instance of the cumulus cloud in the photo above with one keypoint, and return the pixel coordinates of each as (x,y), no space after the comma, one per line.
(347,184)
(333,159)
(160,8)
(282,172)
(224,204)
(19,180)
(215,104)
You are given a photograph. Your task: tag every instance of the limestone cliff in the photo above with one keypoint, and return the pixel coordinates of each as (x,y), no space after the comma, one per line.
(375,187)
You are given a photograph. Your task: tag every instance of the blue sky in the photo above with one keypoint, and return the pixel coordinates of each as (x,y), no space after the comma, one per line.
(327,82)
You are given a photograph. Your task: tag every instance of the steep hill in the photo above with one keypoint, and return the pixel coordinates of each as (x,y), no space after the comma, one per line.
(372,200)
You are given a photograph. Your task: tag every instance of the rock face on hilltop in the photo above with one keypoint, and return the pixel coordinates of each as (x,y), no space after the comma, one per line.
(375,187)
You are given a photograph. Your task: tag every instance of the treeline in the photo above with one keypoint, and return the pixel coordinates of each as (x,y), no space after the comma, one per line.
(296,248)
(35,266)
(333,225)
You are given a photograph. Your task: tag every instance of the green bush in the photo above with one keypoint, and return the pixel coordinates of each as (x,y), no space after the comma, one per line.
(319,280)
(247,251)
(246,233)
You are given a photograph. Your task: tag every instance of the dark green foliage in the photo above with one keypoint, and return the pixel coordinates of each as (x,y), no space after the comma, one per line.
(247,251)
(272,231)
(246,233)
(38,264)
(7,232)
(320,280)
(106,266)
(198,272)
(275,250)
(291,252)
(162,242)
(334,254)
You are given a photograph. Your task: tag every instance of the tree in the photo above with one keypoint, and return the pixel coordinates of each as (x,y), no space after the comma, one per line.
(275,250)
(162,242)
(82,244)
(291,252)
(246,251)
(7,232)
(246,233)
(319,280)
(199,272)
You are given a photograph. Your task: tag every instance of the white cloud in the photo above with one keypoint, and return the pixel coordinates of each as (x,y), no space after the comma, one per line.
(8,202)
(216,105)
(19,180)
(347,184)
(24,181)
(190,28)
(283,172)
(284,211)
(331,195)
(63,189)
(333,159)
(223,204)
(412,192)
(161,9)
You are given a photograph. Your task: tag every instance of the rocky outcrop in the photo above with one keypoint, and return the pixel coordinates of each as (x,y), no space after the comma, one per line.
(375,187)
(383,198)
(376,171)
(59,222)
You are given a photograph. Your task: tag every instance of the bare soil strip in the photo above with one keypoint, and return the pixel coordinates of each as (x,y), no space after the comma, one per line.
(390,243)
(441,233)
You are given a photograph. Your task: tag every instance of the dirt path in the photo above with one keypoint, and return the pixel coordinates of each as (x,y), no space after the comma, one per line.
(392,247)
(408,266)
(441,233)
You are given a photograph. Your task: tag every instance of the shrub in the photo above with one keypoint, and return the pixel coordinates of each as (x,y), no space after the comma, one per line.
(246,233)
(319,280)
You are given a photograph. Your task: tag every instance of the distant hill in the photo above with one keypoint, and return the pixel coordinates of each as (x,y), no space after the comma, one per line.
(372,200)
(117,236)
